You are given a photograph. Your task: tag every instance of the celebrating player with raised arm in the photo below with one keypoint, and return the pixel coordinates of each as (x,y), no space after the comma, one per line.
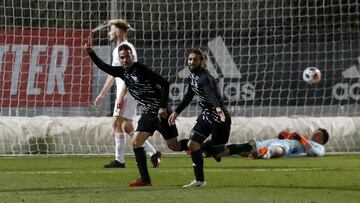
(152,92)
(214,118)
(122,117)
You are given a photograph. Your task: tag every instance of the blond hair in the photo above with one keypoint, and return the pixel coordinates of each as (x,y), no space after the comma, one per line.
(119,23)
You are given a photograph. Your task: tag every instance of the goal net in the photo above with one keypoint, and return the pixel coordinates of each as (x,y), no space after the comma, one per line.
(257,50)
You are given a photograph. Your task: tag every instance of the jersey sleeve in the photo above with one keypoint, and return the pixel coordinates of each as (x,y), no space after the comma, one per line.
(210,89)
(116,71)
(316,149)
(156,79)
(186,100)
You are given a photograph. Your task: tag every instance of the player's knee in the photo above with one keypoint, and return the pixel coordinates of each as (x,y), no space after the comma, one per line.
(173,147)
(136,143)
(114,125)
(277,152)
(173,144)
(194,145)
(196,137)
(117,124)
(128,127)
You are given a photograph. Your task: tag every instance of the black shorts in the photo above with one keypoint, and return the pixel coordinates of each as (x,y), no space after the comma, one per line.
(150,122)
(219,132)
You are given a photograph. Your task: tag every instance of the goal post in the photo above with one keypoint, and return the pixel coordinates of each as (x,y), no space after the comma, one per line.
(257,51)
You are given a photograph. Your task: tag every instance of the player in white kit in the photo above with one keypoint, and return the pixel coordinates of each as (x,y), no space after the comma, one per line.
(123,116)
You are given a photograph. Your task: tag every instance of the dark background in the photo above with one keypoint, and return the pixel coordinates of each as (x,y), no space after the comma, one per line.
(270,41)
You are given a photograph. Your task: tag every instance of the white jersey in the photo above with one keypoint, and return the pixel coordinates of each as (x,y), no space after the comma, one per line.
(292,148)
(129,110)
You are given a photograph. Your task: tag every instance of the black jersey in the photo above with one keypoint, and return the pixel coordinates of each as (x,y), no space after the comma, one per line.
(204,85)
(148,88)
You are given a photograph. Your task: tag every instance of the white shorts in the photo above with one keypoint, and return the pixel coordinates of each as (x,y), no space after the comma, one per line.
(129,110)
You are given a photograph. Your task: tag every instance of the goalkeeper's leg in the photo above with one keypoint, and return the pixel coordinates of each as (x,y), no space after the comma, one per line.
(233,149)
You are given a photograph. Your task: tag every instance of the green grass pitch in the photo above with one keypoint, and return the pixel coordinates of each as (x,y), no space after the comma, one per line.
(234,179)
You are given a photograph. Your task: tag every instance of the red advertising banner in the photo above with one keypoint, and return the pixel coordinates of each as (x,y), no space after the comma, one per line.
(44,68)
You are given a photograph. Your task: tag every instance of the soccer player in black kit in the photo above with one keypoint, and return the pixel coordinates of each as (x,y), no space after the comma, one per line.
(152,92)
(214,118)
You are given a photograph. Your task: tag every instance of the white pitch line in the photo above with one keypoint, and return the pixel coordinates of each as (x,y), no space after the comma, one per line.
(177,170)
(55,172)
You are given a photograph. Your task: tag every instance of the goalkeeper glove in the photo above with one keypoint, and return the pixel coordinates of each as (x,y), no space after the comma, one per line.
(286,135)
(301,139)
(283,135)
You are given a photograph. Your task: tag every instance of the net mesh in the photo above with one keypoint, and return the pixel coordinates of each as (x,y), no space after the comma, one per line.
(257,50)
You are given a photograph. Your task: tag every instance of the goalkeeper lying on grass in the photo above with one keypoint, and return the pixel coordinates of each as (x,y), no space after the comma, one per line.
(285,145)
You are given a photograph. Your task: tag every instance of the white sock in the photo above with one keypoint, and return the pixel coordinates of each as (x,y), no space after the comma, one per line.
(149,149)
(120,140)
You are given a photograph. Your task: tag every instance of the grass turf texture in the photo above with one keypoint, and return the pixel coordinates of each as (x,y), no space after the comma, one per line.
(83,179)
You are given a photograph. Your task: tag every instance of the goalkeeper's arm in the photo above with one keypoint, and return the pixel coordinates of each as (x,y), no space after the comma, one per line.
(311,150)
(286,135)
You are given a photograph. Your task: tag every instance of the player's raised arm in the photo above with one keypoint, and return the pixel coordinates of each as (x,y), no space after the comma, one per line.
(116,71)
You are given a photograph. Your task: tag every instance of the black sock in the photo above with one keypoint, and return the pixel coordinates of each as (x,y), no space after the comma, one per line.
(238,148)
(140,157)
(183,144)
(207,146)
(198,165)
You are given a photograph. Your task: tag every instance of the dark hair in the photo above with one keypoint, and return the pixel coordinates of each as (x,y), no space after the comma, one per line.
(202,55)
(199,52)
(325,135)
(124,47)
